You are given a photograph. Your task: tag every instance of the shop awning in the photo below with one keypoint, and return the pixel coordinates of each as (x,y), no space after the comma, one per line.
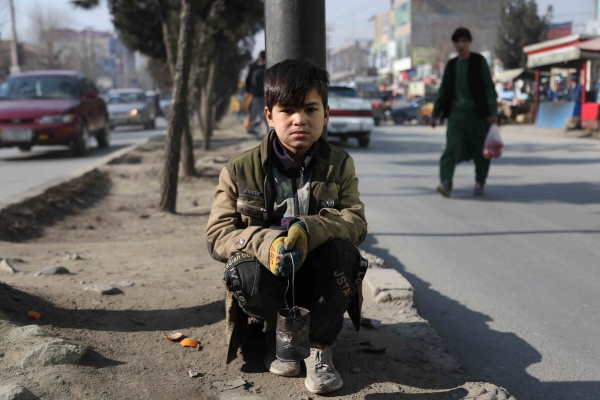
(509,75)
(567,52)
(590,45)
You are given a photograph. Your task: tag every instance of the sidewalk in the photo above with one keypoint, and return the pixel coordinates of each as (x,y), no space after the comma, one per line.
(538,131)
(165,281)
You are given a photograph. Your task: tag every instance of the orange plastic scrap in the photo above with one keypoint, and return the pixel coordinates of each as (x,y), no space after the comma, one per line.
(189,342)
(33,314)
(173,336)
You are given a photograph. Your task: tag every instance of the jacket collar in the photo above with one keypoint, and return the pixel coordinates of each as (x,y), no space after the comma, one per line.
(320,151)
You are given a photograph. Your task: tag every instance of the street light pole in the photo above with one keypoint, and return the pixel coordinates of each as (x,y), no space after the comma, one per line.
(296,29)
(14,58)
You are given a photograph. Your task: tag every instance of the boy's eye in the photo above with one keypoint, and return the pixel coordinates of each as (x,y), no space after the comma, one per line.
(311,109)
(287,111)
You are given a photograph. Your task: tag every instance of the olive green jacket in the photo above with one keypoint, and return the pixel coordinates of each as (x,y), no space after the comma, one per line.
(243,204)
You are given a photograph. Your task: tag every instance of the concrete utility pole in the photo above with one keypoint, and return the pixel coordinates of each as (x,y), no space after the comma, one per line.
(14,58)
(296,29)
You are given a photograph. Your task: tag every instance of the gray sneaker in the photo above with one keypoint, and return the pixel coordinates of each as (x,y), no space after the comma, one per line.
(282,368)
(321,375)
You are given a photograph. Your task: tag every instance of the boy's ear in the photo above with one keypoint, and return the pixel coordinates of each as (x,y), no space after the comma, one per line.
(269,117)
(326,116)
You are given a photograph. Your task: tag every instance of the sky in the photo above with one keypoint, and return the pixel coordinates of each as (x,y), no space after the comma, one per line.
(348,19)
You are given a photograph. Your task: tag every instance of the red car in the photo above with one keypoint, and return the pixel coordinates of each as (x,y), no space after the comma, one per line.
(52,108)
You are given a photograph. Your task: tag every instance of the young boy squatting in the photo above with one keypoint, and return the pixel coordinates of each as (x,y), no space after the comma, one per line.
(291,202)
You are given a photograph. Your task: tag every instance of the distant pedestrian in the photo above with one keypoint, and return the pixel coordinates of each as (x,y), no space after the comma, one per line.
(575,90)
(156,101)
(467,98)
(255,88)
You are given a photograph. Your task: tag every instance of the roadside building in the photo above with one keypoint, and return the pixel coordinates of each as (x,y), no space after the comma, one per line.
(412,39)
(383,48)
(350,61)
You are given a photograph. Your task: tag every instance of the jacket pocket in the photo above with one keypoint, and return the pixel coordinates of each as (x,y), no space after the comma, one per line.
(254,209)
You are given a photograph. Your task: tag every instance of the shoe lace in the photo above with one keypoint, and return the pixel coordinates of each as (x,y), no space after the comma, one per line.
(321,357)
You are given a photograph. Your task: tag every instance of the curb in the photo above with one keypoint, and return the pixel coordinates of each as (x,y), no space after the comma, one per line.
(389,286)
(38,190)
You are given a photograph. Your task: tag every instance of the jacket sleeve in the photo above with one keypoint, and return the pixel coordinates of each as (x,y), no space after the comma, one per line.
(349,222)
(442,93)
(490,89)
(226,233)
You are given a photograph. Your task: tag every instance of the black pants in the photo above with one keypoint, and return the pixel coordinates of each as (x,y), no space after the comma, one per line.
(326,284)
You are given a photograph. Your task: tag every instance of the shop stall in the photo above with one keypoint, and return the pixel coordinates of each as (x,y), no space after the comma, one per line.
(573,63)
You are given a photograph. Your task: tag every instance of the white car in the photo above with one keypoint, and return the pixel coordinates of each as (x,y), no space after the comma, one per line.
(350,115)
(130,107)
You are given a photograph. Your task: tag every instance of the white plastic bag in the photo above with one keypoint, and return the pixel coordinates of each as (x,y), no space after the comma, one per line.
(493,143)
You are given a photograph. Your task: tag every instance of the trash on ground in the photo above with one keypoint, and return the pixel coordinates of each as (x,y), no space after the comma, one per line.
(189,342)
(33,314)
(174,336)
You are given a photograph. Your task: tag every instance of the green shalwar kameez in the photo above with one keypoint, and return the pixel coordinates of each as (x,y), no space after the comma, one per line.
(466,131)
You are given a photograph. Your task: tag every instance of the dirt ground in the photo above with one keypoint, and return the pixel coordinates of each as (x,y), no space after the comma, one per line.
(117,230)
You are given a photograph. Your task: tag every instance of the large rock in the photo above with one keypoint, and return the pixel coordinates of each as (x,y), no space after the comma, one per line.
(55,352)
(28,331)
(55,270)
(6,266)
(15,391)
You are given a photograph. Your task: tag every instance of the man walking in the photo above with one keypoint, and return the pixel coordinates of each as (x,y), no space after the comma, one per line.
(255,88)
(467,98)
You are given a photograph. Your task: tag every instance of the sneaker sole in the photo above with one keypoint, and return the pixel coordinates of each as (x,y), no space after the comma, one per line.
(295,372)
(322,391)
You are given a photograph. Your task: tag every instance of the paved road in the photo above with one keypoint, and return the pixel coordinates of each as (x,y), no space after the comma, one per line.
(510,280)
(20,172)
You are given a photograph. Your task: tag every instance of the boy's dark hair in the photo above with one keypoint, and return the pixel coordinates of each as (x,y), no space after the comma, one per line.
(262,55)
(288,82)
(462,33)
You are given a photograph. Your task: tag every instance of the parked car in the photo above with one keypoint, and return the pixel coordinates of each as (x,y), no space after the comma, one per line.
(165,106)
(377,105)
(410,111)
(131,107)
(52,108)
(350,115)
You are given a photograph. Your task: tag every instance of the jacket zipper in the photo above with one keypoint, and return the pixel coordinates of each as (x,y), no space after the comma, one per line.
(301,177)
(296,202)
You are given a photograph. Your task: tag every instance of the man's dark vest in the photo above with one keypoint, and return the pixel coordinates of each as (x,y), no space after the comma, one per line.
(476,85)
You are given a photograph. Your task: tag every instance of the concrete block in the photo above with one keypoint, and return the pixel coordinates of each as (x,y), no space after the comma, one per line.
(384,280)
(388,285)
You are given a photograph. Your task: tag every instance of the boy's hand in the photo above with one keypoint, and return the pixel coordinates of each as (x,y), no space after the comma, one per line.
(284,249)
(280,259)
(297,236)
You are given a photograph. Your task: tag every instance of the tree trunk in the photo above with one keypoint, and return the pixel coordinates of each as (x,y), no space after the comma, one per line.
(168,39)
(187,143)
(207,104)
(178,115)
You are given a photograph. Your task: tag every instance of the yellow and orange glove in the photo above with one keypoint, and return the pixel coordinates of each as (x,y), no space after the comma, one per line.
(284,249)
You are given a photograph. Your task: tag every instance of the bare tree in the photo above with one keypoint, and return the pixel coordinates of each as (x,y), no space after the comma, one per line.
(179,108)
(44,31)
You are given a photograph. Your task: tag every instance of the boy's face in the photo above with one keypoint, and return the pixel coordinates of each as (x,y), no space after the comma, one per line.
(299,127)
